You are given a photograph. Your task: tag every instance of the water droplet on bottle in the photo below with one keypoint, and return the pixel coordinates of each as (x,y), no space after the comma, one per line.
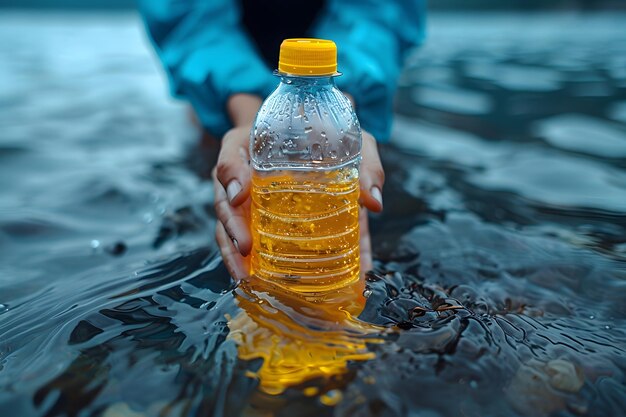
(333,154)
(95,244)
(316,152)
(323,134)
(367,292)
(308,129)
(4,308)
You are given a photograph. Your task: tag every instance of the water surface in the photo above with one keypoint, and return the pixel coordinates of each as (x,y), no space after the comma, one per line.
(500,260)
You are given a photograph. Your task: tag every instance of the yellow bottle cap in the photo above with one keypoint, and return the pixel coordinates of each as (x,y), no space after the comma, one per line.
(312,57)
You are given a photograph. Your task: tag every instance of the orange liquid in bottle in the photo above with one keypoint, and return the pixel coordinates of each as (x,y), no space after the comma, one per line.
(305,229)
(298,305)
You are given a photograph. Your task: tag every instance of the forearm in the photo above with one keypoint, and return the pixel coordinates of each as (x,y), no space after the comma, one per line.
(208,58)
(371,46)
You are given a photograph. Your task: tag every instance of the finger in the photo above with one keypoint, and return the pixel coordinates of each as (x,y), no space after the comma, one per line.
(372,175)
(365,242)
(232,168)
(236,264)
(233,219)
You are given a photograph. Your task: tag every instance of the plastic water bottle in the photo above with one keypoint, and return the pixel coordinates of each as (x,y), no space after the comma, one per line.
(305,148)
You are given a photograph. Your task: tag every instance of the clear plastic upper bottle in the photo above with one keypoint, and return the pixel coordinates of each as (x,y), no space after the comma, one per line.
(307,122)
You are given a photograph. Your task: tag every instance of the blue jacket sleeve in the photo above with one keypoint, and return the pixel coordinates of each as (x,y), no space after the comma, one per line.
(373,37)
(206,54)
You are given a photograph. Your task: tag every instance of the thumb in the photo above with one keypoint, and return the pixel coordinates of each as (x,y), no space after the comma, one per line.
(232,169)
(372,175)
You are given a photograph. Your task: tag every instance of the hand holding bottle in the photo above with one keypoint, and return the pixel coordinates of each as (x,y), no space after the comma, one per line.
(232,188)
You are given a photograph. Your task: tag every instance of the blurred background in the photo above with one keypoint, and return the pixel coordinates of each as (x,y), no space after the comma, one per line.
(434,5)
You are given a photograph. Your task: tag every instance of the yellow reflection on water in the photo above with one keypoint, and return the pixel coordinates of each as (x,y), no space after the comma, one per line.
(300,337)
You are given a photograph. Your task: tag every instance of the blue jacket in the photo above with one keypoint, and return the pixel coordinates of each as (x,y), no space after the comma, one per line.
(208,56)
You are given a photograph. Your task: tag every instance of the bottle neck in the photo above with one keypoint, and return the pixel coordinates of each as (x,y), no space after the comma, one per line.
(295,80)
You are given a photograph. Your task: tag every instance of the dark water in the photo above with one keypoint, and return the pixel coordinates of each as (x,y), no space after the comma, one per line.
(500,259)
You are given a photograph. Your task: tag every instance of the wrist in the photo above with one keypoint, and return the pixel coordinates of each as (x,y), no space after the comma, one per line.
(242,108)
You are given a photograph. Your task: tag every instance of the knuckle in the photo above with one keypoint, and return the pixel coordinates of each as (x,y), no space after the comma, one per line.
(219,233)
(222,211)
(230,224)
(378,173)
(221,170)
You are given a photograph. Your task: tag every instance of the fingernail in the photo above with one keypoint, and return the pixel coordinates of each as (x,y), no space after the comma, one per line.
(377,195)
(233,189)
(236,244)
